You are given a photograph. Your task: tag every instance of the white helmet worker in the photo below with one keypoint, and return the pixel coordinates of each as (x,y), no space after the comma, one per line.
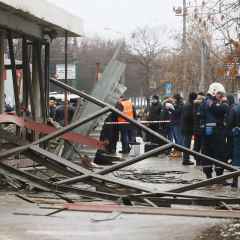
(215,88)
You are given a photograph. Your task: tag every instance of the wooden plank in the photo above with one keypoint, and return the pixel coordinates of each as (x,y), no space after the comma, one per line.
(50,187)
(153,211)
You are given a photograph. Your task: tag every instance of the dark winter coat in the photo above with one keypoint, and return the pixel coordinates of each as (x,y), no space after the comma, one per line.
(177,114)
(197,127)
(59,114)
(109,132)
(155,112)
(187,119)
(233,119)
(213,112)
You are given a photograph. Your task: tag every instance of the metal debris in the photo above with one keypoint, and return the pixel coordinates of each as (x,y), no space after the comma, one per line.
(156,177)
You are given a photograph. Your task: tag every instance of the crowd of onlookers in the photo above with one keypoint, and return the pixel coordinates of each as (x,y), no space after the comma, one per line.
(207,122)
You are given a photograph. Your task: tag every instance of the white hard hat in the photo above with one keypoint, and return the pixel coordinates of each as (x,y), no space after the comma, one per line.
(169,106)
(215,88)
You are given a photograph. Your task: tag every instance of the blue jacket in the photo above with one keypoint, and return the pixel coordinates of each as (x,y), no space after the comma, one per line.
(212,113)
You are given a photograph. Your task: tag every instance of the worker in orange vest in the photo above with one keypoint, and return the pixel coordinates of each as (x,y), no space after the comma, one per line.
(126,130)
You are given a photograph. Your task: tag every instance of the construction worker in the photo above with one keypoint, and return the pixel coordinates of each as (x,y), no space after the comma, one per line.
(126,130)
(213,115)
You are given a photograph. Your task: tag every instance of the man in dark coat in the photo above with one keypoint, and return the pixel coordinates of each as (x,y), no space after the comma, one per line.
(234,125)
(109,134)
(187,122)
(176,119)
(197,127)
(154,115)
(59,114)
(232,109)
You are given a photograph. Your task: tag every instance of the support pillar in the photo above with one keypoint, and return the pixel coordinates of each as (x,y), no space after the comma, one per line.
(47,76)
(35,82)
(2,100)
(66,81)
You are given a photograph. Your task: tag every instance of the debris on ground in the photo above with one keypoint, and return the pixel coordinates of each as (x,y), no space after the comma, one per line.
(226,231)
(156,177)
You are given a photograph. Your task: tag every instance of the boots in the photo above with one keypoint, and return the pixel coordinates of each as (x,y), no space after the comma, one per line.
(208,172)
(175,154)
(187,162)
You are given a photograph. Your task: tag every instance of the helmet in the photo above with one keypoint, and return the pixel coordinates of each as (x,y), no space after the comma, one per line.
(215,88)
(169,106)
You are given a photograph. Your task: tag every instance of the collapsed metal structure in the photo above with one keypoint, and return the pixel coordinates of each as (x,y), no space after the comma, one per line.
(33,31)
(106,187)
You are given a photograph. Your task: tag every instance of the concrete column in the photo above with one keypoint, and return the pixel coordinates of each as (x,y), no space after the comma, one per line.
(2,99)
(35,83)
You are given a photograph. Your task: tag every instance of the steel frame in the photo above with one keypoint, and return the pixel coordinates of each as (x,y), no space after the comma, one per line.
(68,169)
(152,198)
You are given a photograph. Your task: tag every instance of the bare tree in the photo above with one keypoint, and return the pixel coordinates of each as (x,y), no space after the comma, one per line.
(145,47)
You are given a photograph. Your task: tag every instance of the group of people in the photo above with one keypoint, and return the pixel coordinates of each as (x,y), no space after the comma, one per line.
(207,122)
(212,120)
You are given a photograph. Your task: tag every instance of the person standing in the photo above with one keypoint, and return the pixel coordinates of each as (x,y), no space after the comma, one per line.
(231,103)
(187,121)
(166,113)
(59,114)
(176,122)
(154,115)
(52,107)
(234,126)
(109,134)
(197,127)
(213,115)
(176,118)
(125,129)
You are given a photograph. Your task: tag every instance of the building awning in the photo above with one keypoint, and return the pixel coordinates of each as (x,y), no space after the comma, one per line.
(36,18)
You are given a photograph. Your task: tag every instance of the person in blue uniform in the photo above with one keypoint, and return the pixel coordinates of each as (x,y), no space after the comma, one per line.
(213,115)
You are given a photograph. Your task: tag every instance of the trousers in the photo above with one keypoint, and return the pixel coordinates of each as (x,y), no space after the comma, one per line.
(214,145)
(187,139)
(236,148)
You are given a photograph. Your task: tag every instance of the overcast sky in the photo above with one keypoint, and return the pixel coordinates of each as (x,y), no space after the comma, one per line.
(122,16)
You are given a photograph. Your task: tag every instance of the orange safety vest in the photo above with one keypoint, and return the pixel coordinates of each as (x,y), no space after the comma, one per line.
(127,110)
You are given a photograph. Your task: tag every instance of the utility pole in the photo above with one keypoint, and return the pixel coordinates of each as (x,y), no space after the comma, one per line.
(203,55)
(182,12)
(184,47)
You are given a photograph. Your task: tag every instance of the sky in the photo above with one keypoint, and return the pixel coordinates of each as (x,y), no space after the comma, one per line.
(118,18)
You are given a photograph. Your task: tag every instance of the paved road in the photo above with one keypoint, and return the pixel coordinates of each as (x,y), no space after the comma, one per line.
(76,226)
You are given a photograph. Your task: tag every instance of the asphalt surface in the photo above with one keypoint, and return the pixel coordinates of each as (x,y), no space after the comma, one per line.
(76,225)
